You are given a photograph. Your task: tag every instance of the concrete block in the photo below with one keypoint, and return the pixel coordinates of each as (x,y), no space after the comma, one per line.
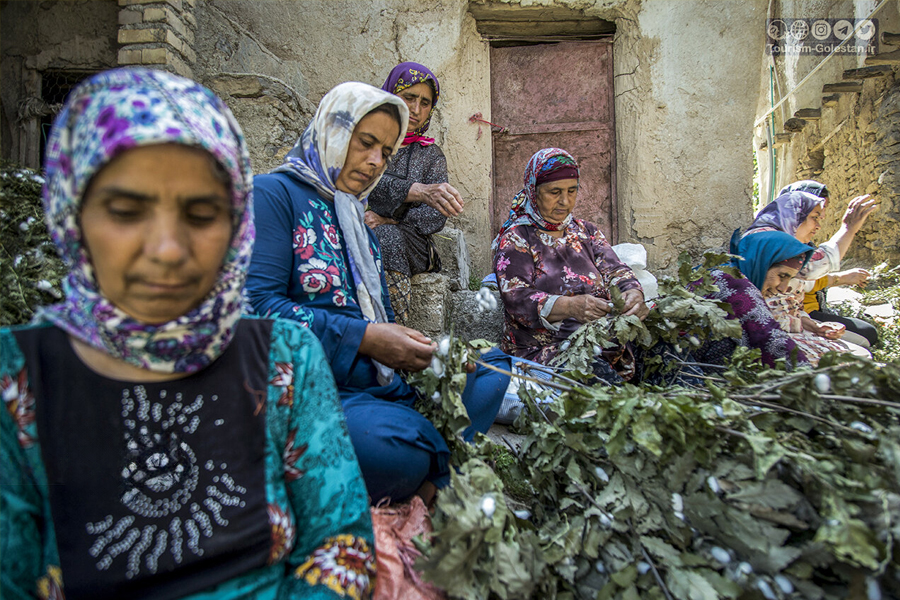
(178,66)
(188,35)
(426,303)
(188,53)
(469,322)
(173,40)
(153,56)
(141,36)
(130,17)
(153,14)
(451,245)
(129,57)
(176,23)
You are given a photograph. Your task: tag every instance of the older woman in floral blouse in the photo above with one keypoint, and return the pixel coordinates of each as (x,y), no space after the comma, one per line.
(555,271)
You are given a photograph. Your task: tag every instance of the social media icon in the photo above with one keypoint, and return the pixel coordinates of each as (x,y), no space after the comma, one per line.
(799,30)
(776,29)
(843,29)
(866,30)
(821,29)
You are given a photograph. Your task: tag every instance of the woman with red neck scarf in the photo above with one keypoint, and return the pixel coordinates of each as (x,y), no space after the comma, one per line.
(413,199)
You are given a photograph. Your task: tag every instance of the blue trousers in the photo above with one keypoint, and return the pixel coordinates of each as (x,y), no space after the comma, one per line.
(399,449)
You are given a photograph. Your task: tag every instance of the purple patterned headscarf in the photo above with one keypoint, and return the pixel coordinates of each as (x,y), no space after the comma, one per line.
(106,115)
(524,209)
(405,75)
(786,212)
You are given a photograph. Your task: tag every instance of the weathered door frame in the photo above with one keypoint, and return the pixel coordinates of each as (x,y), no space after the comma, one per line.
(613,213)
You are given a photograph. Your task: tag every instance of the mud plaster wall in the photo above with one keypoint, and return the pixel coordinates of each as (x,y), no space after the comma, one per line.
(36,36)
(685,96)
(683,105)
(854,147)
(311,46)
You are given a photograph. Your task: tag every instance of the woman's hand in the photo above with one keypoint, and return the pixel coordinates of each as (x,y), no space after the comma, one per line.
(830,330)
(634,304)
(397,346)
(852,277)
(583,308)
(826,329)
(373,219)
(857,212)
(442,197)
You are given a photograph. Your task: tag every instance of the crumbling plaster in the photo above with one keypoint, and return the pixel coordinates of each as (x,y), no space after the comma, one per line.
(683,103)
(684,87)
(312,45)
(684,121)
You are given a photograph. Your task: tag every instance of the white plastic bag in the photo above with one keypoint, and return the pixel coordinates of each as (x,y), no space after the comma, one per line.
(635,256)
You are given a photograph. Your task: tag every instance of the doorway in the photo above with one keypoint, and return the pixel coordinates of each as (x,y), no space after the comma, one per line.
(555,94)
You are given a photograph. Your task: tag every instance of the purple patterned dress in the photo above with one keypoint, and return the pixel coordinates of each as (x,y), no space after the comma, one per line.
(760,329)
(533,269)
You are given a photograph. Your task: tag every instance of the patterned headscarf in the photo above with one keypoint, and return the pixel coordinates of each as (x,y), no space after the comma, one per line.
(762,250)
(106,115)
(787,212)
(809,186)
(318,157)
(405,75)
(524,207)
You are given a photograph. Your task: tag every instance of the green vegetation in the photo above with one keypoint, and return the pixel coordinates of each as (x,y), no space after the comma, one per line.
(759,483)
(30,269)
(882,288)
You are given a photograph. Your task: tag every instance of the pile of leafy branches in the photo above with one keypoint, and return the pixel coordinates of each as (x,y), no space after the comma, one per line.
(883,287)
(30,269)
(763,483)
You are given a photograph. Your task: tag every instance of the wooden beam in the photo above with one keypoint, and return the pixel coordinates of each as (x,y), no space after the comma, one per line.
(794,125)
(884,58)
(809,114)
(830,100)
(845,87)
(891,39)
(780,140)
(867,72)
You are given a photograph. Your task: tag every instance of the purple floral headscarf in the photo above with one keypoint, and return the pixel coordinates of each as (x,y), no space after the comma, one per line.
(106,115)
(786,212)
(524,209)
(405,75)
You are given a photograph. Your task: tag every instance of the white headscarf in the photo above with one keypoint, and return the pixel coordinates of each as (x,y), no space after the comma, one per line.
(318,157)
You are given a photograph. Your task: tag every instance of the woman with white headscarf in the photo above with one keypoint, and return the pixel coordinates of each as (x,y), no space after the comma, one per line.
(317,263)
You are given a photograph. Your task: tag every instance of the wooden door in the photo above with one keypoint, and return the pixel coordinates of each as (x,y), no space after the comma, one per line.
(558,95)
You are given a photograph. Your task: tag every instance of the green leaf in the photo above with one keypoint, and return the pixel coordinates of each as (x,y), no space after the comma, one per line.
(690,585)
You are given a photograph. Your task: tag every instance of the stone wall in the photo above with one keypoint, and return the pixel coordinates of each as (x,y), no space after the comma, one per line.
(305,48)
(852,144)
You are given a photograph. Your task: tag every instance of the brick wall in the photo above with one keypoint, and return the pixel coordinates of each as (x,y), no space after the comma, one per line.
(158,33)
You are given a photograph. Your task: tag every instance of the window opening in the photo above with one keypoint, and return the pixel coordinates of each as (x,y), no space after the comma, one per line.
(55,88)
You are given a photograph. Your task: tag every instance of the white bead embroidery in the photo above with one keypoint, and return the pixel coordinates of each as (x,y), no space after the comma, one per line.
(162,463)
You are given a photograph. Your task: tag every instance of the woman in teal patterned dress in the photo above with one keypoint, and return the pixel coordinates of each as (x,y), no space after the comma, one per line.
(155,444)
